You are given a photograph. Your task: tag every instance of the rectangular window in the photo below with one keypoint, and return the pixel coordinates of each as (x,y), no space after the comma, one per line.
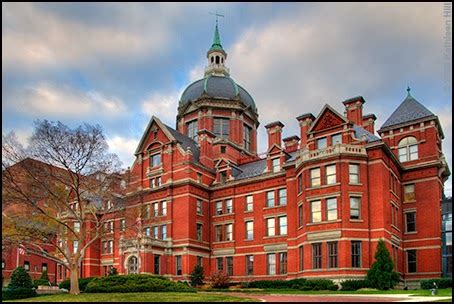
(110,246)
(300,216)
(409,193)
(282,262)
(199,207)
(122,225)
(218,208)
(332,254)
(413,152)
(354,173)
(301,257)
(164,232)
(229,232)
(192,130)
(218,230)
(410,221)
(199,177)
(164,207)
(147,231)
(147,211)
(331,209)
(221,127)
(155,232)
(336,139)
(283,225)
(282,197)
(355,206)
(158,181)
(199,232)
(222,177)
(316,211)
(199,260)
(249,230)
(3,264)
(247,137)
(315,177)
(403,154)
(157,263)
(300,183)
(271,269)
(229,206)
(394,215)
(356,254)
(270,199)
(249,265)
(249,203)
(330,174)
(229,265)
(219,264)
(276,163)
(322,143)
(43,267)
(155,209)
(75,246)
(27,265)
(317,256)
(179,264)
(76,227)
(155,160)
(270,227)
(411,260)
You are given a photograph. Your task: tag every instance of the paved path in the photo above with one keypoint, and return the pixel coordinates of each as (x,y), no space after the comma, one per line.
(335,298)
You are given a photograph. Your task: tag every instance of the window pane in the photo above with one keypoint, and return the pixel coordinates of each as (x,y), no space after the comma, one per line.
(270,226)
(355,207)
(249,230)
(282,196)
(270,199)
(331,174)
(283,225)
(316,211)
(249,203)
(336,139)
(229,206)
(272,263)
(331,206)
(321,143)
(315,177)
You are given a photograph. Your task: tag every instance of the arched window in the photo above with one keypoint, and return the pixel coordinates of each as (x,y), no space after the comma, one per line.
(133,264)
(408,149)
(222,60)
(217,59)
(212,59)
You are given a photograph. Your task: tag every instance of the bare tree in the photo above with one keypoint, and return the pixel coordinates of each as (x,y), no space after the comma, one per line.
(62,188)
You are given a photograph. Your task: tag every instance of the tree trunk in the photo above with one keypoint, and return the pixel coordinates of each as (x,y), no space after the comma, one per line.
(74,280)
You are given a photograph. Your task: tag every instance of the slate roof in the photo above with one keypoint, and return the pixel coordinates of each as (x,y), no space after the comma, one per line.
(409,110)
(186,143)
(256,168)
(360,132)
(216,87)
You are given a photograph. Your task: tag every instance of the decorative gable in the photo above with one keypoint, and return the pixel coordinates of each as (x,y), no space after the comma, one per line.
(327,119)
(152,134)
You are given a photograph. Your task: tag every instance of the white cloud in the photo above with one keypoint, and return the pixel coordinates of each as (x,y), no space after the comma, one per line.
(124,147)
(163,105)
(51,101)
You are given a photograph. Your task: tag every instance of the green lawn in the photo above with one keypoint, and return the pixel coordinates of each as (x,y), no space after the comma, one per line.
(137,297)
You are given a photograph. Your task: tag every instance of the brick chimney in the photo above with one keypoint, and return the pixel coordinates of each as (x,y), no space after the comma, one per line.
(305,122)
(206,147)
(274,131)
(369,122)
(354,109)
(291,143)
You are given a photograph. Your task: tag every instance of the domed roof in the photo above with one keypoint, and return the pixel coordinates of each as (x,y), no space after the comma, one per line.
(222,87)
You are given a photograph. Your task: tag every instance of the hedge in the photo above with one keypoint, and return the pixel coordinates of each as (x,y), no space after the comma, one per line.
(82,283)
(352,285)
(39,282)
(441,283)
(320,284)
(135,283)
(17,293)
(275,284)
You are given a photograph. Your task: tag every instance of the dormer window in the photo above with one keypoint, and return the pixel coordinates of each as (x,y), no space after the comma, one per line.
(322,143)
(222,177)
(408,149)
(155,160)
(276,164)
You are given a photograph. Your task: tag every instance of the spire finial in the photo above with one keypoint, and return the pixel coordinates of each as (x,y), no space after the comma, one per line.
(408,90)
(216,39)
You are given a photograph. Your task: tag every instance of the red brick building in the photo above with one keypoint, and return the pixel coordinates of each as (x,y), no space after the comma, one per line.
(314,206)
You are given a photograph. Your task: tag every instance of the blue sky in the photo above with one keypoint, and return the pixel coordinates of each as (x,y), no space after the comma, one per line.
(117,64)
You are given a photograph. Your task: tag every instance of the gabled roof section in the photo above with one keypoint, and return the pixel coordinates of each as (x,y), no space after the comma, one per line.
(327,118)
(363,134)
(173,135)
(162,126)
(409,110)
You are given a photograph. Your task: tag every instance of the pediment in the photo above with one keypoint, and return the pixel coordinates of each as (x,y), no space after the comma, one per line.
(327,119)
(149,139)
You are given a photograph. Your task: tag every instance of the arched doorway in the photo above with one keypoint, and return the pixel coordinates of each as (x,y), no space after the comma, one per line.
(133,265)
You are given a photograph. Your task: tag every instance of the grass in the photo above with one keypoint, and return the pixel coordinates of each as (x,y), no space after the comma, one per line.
(137,297)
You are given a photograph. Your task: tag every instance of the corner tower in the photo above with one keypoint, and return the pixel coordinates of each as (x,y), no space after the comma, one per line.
(217,113)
